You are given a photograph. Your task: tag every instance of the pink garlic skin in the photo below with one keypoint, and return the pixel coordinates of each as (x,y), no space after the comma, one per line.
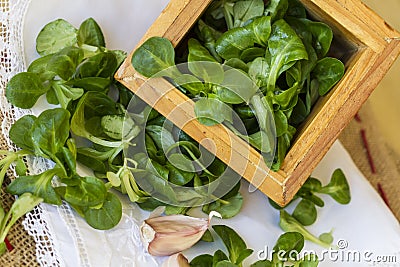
(167,235)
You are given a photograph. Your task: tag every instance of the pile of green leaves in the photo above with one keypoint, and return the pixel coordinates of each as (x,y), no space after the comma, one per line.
(274,45)
(91,126)
(283,251)
(306,212)
(294,225)
(74,66)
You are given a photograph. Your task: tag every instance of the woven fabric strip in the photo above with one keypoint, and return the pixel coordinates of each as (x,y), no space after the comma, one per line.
(384,175)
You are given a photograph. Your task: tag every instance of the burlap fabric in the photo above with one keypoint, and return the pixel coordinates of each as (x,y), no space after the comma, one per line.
(384,159)
(24,252)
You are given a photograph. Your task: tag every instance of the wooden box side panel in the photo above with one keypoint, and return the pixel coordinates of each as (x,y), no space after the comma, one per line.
(354,20)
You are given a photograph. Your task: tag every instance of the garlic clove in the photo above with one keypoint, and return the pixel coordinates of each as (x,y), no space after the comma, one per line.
(176,260)
(167,235)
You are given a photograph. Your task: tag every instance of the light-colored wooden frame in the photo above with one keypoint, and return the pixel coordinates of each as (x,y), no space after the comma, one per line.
(374,47)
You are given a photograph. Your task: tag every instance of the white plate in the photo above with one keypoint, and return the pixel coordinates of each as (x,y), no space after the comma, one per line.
(366,227)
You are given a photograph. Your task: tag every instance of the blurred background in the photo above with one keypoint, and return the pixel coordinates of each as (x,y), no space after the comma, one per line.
(384,101)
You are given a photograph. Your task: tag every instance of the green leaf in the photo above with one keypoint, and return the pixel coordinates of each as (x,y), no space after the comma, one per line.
(190,83)
(24,89)
(90,158)
(289,242)
(237,64)
(265,140)
(84,191)
(90,33)
(338,188)
(162,138)
(233,42)
(244,11)
(178,176)
(299,113)
(219,255)
(276,9)
(22,205)
(51,97)
(232,241)
(68,158)
(152,151)
(64,62)
(285,48)
(93,105)
(106,217)
(321,33)
(197,52)
(244,255)
(50,131)
(120,55)
(207,236)
(208,35)
(204,260)
(312,184)
(303,31)
(296,9)
(305,212)
(228,208)
(262,263)
(158,187)
(286,99)
(310,260)
(20,167)
(39,185)
(202,64)
(153,56)
(55,36)
(63,94)
(98,84)
(102,65)
(259,71)
(211,111)
(39,66)
(251,54)
(281,123)
(20,132)
(326,238)
(119,127)
(261,141)
(157,169)
(236,87)
(290,224)
(328,72)
(261,29)
(150,204)
(225,263)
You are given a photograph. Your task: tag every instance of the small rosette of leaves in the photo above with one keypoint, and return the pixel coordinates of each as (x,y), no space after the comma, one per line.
(73,61)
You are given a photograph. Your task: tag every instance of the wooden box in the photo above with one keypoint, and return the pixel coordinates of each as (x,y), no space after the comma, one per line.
(370,47)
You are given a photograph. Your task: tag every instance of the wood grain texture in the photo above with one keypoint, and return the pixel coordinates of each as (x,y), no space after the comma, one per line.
(374,46)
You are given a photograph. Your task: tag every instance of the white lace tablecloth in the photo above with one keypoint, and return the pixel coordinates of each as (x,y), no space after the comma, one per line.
(64,239)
